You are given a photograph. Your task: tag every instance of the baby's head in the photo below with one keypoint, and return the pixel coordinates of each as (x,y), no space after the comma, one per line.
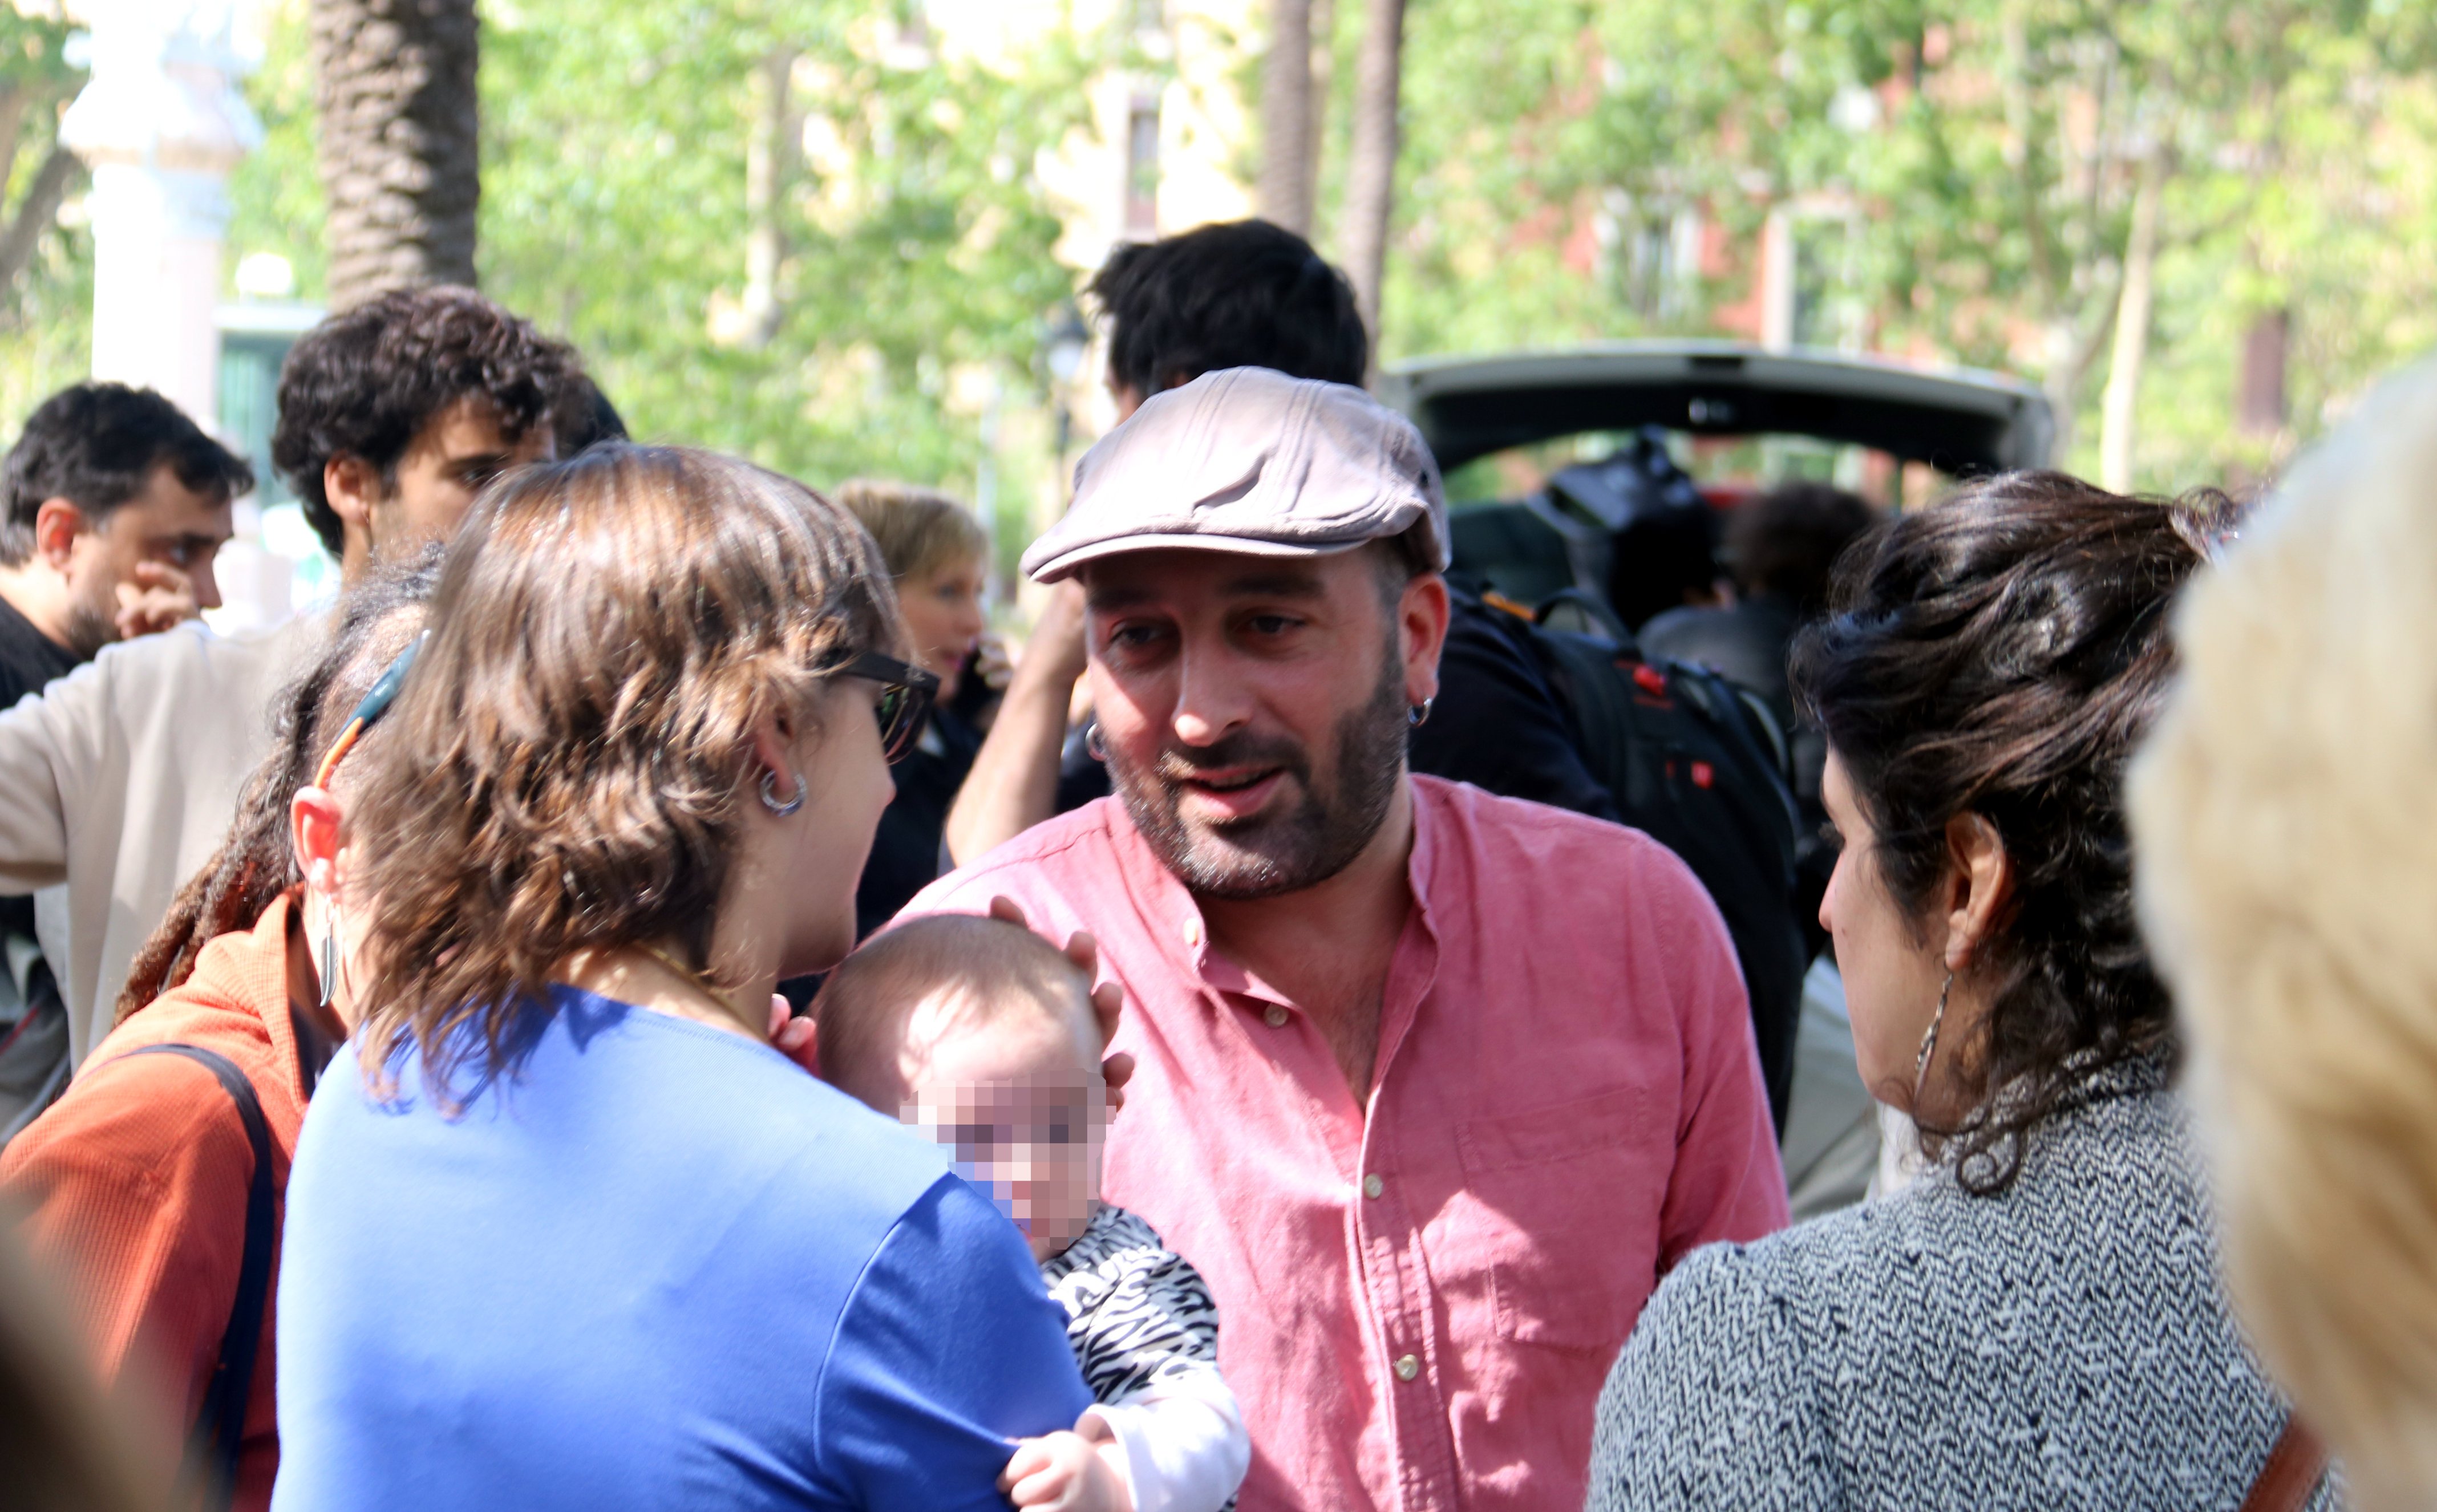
(979,1033)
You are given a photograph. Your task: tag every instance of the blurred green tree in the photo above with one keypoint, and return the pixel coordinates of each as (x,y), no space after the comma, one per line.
(45,267)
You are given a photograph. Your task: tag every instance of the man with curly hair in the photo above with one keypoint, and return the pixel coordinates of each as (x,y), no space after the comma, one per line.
(120,780)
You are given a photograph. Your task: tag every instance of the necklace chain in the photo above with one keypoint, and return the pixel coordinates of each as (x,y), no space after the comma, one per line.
(697,981)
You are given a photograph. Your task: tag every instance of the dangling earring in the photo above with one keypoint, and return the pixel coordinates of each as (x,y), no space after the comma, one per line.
(1929,1041)
(329,971)
(1419,713)
(1094,745)
(770,795)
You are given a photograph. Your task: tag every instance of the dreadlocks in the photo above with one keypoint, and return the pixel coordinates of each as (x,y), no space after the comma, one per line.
(256,863)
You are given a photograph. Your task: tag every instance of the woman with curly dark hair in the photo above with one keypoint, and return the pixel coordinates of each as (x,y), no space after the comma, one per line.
(2037,1321)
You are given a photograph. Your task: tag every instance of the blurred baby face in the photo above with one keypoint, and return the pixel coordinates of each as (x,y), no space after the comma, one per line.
(1019,1104)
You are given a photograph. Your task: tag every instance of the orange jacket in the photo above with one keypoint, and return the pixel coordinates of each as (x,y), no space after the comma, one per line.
(136,1180)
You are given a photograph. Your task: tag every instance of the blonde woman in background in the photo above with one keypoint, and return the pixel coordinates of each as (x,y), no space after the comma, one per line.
(938,556)
(2285,819)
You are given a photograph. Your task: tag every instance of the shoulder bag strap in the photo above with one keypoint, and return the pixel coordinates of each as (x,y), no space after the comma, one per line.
(220,1425)
(2294,1469)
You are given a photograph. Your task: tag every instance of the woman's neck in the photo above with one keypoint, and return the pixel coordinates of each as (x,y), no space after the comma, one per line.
(654,976)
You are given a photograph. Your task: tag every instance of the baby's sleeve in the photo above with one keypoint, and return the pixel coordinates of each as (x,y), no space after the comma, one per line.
(1185,1444)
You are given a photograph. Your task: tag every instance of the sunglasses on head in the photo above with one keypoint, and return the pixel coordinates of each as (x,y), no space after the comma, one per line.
(374,705)
(906,693)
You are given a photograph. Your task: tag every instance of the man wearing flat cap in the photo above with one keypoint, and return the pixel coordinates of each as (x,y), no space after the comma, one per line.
(1432,1086)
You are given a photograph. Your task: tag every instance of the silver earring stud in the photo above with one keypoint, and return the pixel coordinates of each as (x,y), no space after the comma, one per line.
(1093,743)
(1419,713)
(770,795)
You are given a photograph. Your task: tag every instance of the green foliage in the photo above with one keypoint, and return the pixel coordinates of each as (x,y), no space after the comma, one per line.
(1964,172)
(45,319)
(918,248)
(275,192)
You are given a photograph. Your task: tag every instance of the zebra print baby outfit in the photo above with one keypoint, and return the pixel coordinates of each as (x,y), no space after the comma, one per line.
(1137,1314)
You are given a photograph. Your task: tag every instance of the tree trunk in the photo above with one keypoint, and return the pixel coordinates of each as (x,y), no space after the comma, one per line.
(2119,413)
(2259,409)
(398,142)
(1315,126)
(1371,165)
(36,212)
(1283,192)
(769,167)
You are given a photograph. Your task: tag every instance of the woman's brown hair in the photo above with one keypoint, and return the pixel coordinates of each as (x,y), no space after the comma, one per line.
(257,863)
(565,771)
(2001,654)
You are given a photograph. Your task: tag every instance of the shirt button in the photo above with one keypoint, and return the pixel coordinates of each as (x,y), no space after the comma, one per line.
(1373,1186)
(1275,1017)
(1408,1367)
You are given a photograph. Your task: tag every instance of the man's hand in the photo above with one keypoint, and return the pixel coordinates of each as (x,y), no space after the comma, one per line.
(1066,1472)
(160,599)
(1108,997)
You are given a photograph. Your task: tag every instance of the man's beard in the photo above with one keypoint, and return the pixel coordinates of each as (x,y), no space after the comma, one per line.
(88,630)
(1271,853)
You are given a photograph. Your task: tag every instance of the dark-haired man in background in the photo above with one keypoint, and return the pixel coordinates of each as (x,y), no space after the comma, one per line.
(120,781)
(116,502)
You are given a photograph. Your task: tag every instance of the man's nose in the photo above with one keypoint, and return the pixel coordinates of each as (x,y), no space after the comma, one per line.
(207,584)
(1210,698)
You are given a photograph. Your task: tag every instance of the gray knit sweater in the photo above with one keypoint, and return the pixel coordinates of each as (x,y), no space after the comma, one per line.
(2061,1345)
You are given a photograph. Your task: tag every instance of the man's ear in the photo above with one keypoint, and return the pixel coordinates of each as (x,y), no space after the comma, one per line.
(1983,886)
(56,524)
(353,486)
(313,819)
(1421,630)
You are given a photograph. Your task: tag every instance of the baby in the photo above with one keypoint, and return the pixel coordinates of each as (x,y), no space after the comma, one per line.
(980,1033)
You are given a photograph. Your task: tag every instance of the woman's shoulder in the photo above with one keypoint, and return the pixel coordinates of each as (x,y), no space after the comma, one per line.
(1981,1323)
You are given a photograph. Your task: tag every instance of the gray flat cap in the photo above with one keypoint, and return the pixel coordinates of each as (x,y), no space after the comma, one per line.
(1250,461)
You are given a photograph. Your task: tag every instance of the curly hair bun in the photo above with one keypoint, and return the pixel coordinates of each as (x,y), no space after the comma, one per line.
(2002,655)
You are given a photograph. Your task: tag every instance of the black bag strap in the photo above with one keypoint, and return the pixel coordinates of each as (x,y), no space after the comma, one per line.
(212,1453)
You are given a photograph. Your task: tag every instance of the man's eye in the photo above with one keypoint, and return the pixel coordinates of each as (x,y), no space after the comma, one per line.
(1270,624)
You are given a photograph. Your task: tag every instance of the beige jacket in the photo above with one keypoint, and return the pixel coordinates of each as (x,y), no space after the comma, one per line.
(119,781)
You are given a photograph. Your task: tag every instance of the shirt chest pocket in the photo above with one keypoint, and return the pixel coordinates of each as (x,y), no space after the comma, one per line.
(1566,1202)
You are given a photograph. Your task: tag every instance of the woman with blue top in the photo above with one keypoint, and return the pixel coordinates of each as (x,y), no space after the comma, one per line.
(569,1232)
(2036,1323)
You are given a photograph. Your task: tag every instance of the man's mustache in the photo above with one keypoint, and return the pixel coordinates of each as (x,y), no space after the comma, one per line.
(1187,763)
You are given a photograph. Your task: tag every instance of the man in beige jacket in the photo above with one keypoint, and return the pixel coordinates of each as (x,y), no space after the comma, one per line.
(118,782)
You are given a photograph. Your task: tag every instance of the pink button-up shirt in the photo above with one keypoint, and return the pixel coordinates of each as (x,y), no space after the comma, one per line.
(1419,1295)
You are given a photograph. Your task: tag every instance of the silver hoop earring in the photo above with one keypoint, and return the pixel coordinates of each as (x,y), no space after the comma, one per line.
(1419,713)
(1098,748)
(1929,1041)
(329,970)
(770,795)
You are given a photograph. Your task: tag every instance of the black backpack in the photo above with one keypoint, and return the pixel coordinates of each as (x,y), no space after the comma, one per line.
(1701,767)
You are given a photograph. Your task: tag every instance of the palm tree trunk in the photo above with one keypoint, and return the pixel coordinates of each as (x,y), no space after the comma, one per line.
(1283,192)
(1371,165)
(398,143)
(2119,409)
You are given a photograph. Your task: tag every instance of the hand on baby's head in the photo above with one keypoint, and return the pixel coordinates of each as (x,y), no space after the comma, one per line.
(1066,1472)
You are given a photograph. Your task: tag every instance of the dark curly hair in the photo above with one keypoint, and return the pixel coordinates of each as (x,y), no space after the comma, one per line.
(256,862)
(366,382)
(1239,294)
(96,445)
(2002,655)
